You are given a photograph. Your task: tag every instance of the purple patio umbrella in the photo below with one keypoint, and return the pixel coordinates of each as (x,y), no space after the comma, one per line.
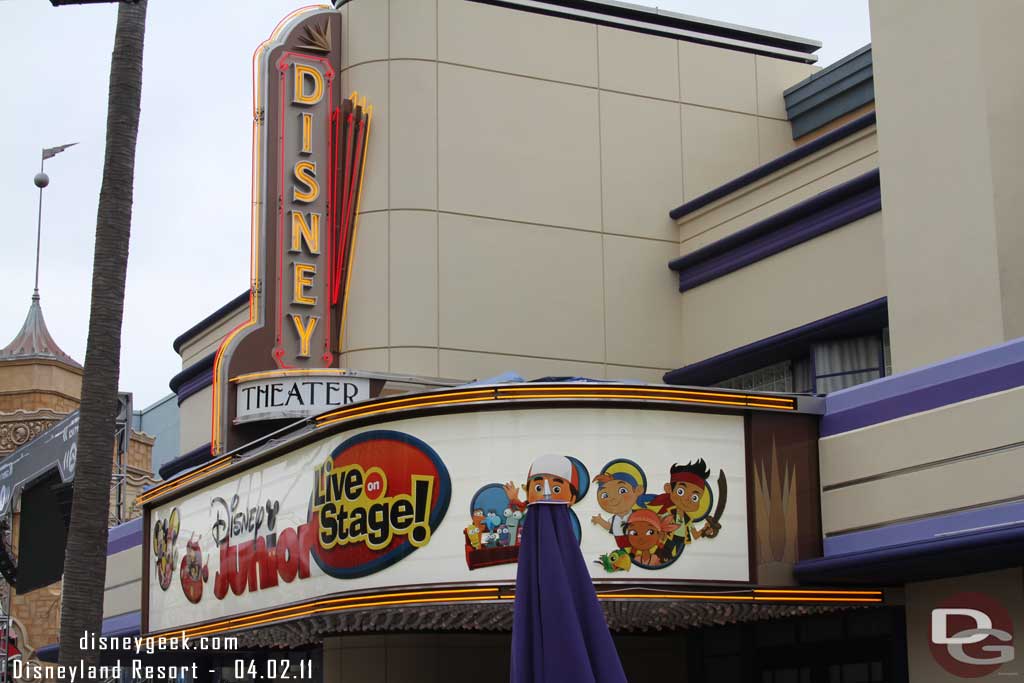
(559,633)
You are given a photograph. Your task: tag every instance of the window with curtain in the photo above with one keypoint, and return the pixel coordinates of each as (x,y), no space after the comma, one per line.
(843,363)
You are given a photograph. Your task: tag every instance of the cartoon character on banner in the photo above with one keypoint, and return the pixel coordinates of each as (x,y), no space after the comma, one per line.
(497,513)
(165,553)
(193,572)
(656,538)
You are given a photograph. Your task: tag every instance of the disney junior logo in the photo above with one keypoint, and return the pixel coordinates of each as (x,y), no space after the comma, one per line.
(971,635)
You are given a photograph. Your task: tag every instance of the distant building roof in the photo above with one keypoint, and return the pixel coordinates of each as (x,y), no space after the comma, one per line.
(34,340)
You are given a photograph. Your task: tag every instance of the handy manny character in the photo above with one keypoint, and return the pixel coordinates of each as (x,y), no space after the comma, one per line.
(686,498)
(647,533)
(618,493)
(552,479)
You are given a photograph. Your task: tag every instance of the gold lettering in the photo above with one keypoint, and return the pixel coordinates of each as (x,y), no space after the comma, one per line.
(305,333)
(305,173)
(303,74)
(305,232)
(307,133)
(304,273)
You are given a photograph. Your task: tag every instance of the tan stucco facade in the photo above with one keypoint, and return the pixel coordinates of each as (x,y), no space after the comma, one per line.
(515,206)
(950,159)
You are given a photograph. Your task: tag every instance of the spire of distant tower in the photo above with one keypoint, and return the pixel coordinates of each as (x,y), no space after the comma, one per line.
(34,340)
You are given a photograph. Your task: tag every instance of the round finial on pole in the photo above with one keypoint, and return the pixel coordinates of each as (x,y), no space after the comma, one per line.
(41,180)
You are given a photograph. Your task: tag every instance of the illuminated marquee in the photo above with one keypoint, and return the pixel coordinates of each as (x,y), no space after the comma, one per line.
(418,503)
(309,148)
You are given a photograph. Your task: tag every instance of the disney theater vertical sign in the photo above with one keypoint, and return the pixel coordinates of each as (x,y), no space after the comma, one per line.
(309,148)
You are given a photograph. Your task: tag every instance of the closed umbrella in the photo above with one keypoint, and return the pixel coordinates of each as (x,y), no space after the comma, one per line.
(559,633)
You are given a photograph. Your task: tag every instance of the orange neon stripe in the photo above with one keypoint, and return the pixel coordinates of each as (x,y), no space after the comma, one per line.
(859,600)
(672,596)
(483,594)
(816,592)
(220,463)
(249,623)
(216,440)
(437,399)
(631,396)
(292,371)
(374,596)
(652,390)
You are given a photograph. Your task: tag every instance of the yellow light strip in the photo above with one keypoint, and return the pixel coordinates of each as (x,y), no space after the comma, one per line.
(815,591)
(456,397)
(672,596)
(489,594)
(810,599)
(398,403)
(650,390)
(214,466)
(294,371)
(634,397)
(316,606)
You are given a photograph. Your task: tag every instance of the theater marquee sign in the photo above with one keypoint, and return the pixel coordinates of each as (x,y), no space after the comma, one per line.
(441,500)
(309,151)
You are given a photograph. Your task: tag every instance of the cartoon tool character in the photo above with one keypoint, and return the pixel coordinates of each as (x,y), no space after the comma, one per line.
(620,489)
(479,519)
(473,536)
(615,561)
(490,539)
(647,533)
(687,500)
(493,521)
(504,535)
(512,521)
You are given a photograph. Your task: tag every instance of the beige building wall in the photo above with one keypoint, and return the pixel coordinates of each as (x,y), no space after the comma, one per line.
(519,176)
(208,341)
(952,458)
(952,234)
(846,266)
(831,273)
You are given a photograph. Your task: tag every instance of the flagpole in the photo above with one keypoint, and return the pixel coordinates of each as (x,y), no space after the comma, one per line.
(41,181)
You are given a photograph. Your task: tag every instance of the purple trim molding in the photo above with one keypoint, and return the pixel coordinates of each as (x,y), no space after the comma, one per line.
(801,222)
(202,368)
(195,385)
(988,371)
(194,457)
(774,165)
(967,553)
(124,536)
(209,320)
(866,318)
(1001,516)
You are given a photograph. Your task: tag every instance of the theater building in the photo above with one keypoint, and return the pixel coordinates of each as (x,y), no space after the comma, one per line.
(771,313)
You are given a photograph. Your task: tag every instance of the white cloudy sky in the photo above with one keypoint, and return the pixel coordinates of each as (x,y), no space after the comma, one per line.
(190,233)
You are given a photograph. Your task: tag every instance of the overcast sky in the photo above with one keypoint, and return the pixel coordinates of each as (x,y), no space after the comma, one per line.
(190,231)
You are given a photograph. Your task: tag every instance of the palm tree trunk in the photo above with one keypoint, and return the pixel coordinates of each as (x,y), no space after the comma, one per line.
(86,555)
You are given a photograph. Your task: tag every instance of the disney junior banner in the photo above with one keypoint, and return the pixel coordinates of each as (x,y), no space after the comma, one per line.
(653,495)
